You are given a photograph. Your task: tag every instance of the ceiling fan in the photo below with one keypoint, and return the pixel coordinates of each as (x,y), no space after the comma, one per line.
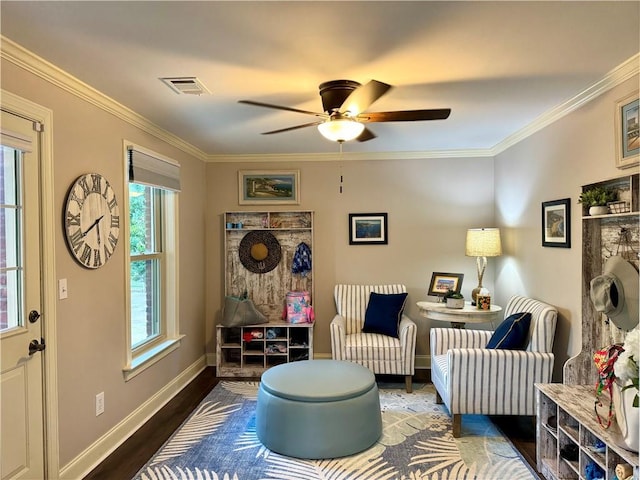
(345,103)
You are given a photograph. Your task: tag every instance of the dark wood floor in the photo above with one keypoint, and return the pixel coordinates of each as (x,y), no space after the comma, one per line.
(125,462)
(130,457)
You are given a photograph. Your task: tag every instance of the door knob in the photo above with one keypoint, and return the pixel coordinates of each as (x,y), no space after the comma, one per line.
(36,346)
(33,316)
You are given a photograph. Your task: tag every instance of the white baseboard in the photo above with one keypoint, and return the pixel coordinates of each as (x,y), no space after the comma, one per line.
(423,361)
(80,466)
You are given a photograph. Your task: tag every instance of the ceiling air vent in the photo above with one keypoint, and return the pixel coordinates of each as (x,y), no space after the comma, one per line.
(186,85)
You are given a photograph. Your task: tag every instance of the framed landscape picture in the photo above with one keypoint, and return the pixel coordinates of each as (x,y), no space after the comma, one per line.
(556,223)
(269,187)
(441,283)
(627,131)
(368,229)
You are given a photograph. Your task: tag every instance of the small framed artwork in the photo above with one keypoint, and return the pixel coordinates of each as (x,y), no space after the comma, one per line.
(627,131)
(368,229)
(269,187)
(441,283)
(556,223)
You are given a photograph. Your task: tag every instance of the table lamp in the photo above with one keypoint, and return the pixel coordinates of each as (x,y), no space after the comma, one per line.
(482,243)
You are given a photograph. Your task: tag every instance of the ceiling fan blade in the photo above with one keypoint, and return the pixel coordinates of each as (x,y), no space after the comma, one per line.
(366,135)
(292,128)
(405,115)
(280,107)
(363,96)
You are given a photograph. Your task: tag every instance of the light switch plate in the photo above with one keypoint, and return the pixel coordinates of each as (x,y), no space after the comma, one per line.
(99,403)
(62,289)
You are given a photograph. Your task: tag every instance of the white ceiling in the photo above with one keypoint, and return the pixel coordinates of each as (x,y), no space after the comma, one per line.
(498,65)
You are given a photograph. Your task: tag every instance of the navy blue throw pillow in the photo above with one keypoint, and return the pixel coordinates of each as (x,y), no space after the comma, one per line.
(512,333)
(384,312)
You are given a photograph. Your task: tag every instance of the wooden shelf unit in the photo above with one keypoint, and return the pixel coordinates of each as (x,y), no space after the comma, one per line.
(600,239)
(234,356)
(576,424)
(268,290)
(274,344)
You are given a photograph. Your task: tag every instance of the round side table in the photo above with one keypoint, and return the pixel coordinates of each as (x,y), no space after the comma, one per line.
(458,316)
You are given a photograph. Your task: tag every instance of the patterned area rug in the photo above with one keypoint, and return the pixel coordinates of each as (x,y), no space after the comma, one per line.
(218,442)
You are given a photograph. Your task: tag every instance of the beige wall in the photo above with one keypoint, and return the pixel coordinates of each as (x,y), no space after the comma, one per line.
(552,164)
(91,321)
(430,204)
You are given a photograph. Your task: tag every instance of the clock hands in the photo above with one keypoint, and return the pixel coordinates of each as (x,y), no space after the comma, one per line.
(84,234)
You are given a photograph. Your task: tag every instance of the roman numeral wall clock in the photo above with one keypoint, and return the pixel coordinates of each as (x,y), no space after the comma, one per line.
(92,220)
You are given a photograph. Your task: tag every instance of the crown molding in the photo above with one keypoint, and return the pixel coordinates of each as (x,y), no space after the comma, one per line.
(347,156)
(619,74)
(38,66)
(27,60)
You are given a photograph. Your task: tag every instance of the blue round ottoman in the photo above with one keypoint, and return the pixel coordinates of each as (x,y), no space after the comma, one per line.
(318,409)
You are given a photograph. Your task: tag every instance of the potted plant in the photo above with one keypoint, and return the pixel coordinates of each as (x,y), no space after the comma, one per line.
(454,299)
(596,199)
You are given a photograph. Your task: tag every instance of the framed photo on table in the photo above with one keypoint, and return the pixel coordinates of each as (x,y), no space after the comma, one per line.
(556,223)
(627,131)
(441,283)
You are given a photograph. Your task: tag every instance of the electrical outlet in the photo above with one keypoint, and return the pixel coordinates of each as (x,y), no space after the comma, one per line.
(99,403)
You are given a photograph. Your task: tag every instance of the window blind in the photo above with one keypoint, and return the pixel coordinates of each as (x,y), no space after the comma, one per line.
(152,169)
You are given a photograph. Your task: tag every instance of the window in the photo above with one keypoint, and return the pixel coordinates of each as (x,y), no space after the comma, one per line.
(146,258)
(152,281)
(11,269)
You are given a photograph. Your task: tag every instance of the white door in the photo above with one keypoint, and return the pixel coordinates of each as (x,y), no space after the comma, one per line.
(21,345)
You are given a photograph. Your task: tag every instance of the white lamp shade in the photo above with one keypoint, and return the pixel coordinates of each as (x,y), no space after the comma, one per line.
(483,242)
(340,130)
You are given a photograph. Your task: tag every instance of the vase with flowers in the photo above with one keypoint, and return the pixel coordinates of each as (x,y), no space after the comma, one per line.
(625,389)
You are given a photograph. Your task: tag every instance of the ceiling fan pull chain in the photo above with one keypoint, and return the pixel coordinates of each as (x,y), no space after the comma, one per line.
(340,167)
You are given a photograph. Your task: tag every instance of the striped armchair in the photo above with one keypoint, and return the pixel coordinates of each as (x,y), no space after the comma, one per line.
(379,353)
(471,379)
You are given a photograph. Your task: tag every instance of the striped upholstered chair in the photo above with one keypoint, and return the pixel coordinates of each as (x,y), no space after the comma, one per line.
(379,353)
(472,379)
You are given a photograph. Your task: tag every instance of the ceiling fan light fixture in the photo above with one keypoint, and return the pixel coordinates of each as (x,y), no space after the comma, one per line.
(341,130)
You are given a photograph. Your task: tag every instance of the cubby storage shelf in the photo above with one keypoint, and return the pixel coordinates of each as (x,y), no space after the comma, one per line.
(270,344)
(572,408)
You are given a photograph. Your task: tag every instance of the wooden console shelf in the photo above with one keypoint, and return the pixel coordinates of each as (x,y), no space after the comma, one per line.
(276,341)
(249,351)
(268,290)
(602,237)
(576,424)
